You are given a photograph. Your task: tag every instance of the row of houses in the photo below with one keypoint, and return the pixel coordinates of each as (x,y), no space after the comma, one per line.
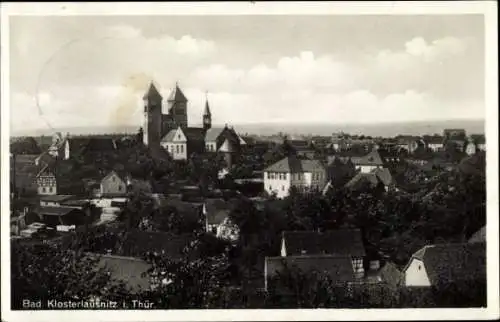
(341,256)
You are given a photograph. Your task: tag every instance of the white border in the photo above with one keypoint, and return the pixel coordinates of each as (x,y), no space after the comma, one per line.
(488,8)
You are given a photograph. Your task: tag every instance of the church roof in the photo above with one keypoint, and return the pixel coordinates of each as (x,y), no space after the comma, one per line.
(207,109)
(213,133)
(152,92)
(177,95)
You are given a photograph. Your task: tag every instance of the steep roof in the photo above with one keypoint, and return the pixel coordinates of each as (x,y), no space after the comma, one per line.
(177,95)
(372,158)
(152,92)
(479,236)
(227,146)
(361,178)
(338,268)
(294,165)
(207,109)
(213,133)
(384,175)
(453,262)
(346,242)
(216,210)
(194,133)
(169,137)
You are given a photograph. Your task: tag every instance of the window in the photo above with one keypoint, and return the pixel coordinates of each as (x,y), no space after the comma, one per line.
(285,175)
(50,189)
(268,175)
(182,148)
(176,149)
(357,264)
(419,267)
(282,188)
(120,188)
(43,189)
(270,188)
(179,136)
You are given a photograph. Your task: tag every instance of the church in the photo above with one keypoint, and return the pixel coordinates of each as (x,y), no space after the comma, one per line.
(171,131)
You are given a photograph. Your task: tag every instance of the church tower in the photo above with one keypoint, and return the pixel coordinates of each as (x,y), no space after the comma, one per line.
(177,107)
(152,117)
(207,116)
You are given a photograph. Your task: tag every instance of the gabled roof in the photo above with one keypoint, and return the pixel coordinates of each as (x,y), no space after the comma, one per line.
(120,174)
(169,137)
(453,262)
(384,175)
(293,164)
(227,146)
(338,268)
(479,236)
(362,178)
(213,133)
(177,95)
(152,93)
(372,158)
(217,210)
(390,274)
(194,133)
(347,242)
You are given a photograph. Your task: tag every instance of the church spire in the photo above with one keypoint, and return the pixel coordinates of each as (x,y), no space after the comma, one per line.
(207,107)
(207,116)
(152,92)
(177,95)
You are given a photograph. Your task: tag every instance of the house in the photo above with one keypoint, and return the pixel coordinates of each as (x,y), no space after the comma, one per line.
(470,148)
(434,143)
(114,184)
(215,212)
(479,140)
(180,143)
(46,181)
(369,162)
(54,216)
(55,200)
(217,221)
(409,143)
(446,263)
(215,137)
(304,175)
(337,267)
(342,242)
(379,177)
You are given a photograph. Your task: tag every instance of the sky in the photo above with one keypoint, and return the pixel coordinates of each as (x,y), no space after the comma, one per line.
(93,71)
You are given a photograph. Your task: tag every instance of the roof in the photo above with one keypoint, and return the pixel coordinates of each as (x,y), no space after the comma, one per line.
(56,198)
(479,236)
(54,211)
(227,146)
(120,174)
(136,243)
(152,92)
(384,175)
(338,268)
(194,133)
(478,138)
(128,270)
(294,165)
(361,178)
(453,262)
(169,137)
(434,140)
(213,133)
(390,274)
(207,109)
(372,158)
(216,210)
(25,170)
(346,242)
(177,95)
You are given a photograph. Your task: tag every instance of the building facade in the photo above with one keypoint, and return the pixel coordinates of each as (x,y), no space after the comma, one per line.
(303,175)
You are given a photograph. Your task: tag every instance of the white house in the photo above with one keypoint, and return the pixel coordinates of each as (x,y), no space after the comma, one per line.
(304,175)
(369,162)
(445,263)
(435,143)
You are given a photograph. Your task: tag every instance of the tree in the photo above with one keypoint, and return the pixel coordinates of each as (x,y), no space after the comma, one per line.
(50,271)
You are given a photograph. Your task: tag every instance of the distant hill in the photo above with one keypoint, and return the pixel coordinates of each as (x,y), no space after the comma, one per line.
(376,129)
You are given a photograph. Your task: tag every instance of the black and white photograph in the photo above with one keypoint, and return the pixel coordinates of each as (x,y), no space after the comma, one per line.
(249,159)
